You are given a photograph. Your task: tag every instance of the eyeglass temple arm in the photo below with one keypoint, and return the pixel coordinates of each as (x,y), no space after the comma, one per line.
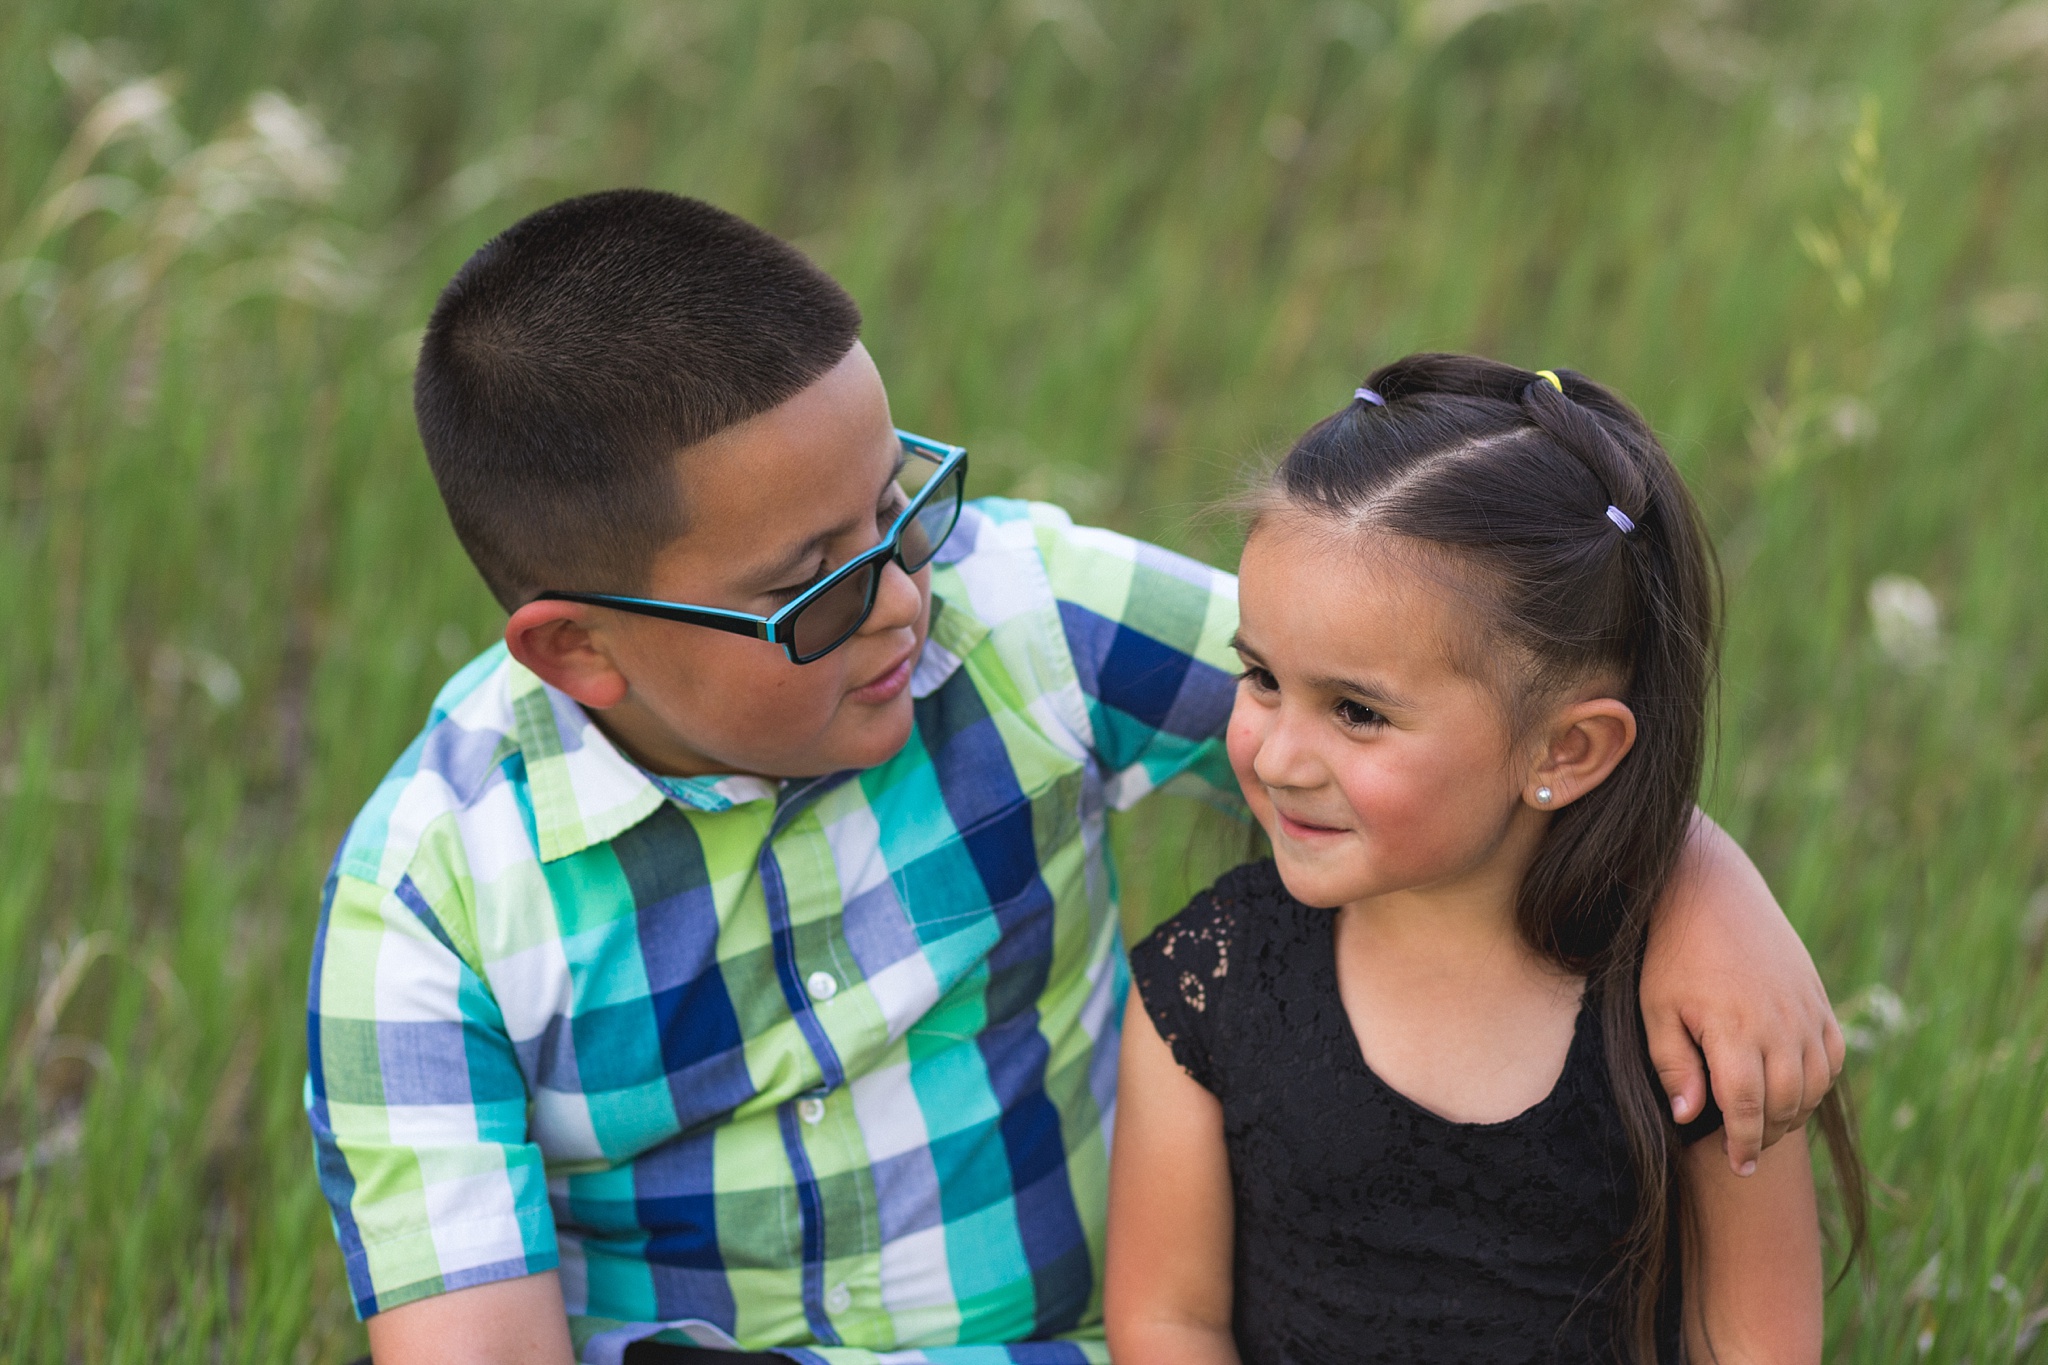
(732,622)
(925,443)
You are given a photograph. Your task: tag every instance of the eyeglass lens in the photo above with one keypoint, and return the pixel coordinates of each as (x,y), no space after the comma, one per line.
(934,521)
(835,614)
(828,620)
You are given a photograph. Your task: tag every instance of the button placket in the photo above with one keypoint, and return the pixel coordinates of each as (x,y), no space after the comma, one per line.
(804,843)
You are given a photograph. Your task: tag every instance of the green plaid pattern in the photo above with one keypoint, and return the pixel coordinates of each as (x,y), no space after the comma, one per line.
(824,1066)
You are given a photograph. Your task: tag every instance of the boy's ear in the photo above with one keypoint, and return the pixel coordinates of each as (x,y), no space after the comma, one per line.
(1585,740)
(558,641)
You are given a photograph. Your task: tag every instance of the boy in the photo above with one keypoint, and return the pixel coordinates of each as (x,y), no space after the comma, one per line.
(766,997)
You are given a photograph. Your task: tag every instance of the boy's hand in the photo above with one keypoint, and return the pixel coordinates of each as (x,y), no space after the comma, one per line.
(1724,968)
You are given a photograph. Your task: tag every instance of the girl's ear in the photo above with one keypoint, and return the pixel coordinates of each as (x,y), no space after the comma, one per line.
(1584,741)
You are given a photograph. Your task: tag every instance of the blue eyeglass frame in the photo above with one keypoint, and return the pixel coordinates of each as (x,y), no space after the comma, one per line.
(780,628)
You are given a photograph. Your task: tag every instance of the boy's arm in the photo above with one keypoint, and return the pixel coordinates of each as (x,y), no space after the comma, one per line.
(415,1096)
(1167,1288)
(1148,634)
(1725,968)
(1753,1277)
(509,1322)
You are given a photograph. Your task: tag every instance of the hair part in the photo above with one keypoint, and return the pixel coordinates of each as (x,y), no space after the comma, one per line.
(1512,479)
(579,351)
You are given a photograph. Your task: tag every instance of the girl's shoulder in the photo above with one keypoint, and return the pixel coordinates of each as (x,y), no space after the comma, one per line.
(1182,970)
(1198,939)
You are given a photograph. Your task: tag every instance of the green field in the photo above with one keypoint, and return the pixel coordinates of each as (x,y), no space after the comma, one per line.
(1122,250)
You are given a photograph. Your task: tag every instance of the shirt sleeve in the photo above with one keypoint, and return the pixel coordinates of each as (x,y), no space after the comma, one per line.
(417,1102)
(1149,632)
(1180,972)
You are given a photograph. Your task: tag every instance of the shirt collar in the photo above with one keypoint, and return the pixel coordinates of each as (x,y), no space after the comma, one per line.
(953,633)
(585,792)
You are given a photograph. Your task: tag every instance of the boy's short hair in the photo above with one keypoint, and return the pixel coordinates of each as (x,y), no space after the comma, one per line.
(579,350)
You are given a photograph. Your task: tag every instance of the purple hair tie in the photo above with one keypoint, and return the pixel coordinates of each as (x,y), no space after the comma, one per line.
(1620,518)
(1369,396)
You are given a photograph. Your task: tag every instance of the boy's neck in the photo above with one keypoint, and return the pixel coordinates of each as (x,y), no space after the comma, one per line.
(642,738)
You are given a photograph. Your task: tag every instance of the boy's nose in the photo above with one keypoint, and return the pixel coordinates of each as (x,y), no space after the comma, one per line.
(897,602)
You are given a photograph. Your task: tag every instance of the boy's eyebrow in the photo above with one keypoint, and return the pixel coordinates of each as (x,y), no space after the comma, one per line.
(773,575)
(1367,689)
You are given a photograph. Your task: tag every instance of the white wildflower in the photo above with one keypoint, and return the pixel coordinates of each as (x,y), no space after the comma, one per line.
(1906,620)
(171,665)
(1852,421)
(1872,1015)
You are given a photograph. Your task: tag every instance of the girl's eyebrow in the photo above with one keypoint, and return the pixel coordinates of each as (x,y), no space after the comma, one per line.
(1378,693)
(1372,690)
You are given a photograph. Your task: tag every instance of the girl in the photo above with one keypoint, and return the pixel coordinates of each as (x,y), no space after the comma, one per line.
(1386,1096)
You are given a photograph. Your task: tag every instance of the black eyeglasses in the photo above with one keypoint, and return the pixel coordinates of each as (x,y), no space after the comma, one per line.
(825,615)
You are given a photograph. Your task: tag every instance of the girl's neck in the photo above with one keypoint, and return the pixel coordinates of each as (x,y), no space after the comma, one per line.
(1465,925)
(1450,1006)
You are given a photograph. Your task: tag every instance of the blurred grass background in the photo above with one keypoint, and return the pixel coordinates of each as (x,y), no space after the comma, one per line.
(1122,250)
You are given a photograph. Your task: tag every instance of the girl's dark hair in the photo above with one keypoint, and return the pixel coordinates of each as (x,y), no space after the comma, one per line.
(1564,519)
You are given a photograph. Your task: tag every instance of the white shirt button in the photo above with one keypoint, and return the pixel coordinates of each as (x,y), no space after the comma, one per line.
(822,986)
(811,1110)
(839,1299)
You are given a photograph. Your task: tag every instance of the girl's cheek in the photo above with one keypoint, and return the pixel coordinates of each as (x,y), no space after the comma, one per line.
(1378,794)
(1411,810)
(1241,739)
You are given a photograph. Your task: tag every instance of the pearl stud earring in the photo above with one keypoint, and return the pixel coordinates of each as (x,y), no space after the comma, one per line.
(1543,796)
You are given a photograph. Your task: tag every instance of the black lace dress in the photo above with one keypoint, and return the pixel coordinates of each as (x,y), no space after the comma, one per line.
(1368,1228)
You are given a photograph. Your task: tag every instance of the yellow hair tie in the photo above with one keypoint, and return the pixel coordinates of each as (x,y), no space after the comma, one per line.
(1551,375)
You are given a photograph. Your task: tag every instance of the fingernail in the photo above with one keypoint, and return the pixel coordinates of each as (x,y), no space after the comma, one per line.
(1679,1108)
(1748,1168)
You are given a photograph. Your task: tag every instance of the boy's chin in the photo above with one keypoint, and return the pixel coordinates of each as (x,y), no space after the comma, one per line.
(876,736)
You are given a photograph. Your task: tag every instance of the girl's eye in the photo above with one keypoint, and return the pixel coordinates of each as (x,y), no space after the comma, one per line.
(1359,716)
(1262,680)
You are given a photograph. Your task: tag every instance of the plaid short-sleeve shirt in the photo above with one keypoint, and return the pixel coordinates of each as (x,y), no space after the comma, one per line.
(825,1065)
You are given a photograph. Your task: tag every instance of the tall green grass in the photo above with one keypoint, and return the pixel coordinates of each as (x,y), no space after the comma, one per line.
(1122,250)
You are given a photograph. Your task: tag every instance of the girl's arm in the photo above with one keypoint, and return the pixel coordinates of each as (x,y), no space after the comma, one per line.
(1167,1286)
(1753,1278)
(1726,969)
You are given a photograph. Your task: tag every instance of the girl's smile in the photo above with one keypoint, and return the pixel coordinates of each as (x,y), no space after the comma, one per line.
(1302,829)
(1375,765)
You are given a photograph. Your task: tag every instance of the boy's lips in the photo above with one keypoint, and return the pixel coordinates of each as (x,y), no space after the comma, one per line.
(890,683)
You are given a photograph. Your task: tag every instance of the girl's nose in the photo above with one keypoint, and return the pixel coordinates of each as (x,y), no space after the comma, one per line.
(1287,755)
